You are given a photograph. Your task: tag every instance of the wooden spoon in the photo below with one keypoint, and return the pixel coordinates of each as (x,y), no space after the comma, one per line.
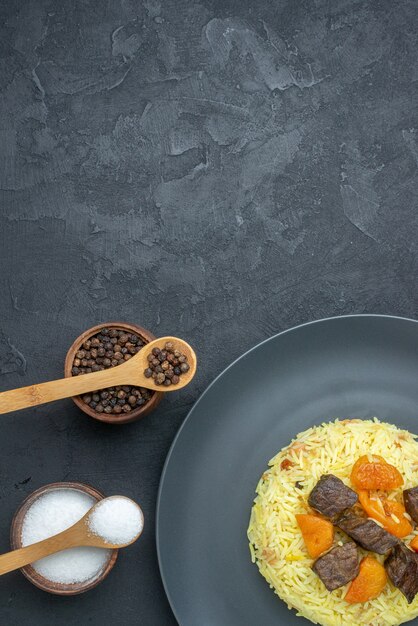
(77,535)
(128,373)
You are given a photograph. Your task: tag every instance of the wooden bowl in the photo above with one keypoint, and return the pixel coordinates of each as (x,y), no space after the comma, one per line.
(61,589)
(137,413)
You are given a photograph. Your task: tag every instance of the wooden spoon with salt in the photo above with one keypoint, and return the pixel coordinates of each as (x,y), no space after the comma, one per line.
(129,373)
(80,534)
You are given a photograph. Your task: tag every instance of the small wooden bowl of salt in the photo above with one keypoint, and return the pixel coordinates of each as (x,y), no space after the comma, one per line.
(46,512)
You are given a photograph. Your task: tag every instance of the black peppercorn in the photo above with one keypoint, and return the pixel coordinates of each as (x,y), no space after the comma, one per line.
(109,348)
(166,365)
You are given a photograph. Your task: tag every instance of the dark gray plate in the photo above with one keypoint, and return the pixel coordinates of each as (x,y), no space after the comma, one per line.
(356,366)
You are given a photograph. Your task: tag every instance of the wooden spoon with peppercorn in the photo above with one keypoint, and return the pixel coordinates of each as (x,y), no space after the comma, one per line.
(165,364)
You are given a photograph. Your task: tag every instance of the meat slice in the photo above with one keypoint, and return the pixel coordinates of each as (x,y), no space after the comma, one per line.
(410,498)
(338,566)
(330,496)
(366,533)
(402,569)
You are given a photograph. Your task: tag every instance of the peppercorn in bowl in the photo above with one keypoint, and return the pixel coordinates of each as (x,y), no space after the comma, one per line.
(102,347)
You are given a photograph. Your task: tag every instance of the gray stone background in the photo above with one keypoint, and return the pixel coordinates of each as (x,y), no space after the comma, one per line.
(220,170)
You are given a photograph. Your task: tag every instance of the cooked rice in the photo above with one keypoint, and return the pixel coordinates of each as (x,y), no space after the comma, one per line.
(276,543)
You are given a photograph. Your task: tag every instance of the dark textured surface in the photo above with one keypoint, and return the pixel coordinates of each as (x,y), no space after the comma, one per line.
(219,170)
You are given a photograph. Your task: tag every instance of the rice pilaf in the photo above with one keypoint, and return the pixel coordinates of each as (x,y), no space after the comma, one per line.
(276,543)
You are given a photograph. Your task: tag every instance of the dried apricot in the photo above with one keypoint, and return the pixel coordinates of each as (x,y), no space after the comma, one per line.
(375,473)
(389,513)
(414,543)
(317,533)
(369,582)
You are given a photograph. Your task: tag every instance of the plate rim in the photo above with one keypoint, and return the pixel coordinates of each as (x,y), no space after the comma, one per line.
(201,396)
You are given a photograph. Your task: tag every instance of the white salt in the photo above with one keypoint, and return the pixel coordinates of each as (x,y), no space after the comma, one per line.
(50,514)
(117,520)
